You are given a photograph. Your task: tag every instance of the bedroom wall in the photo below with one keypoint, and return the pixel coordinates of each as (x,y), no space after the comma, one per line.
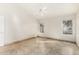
(54,27)
(5,12)
(19,25)
(77,29)
(19,28)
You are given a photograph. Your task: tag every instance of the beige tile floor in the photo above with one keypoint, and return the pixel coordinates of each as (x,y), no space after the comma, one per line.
(40,46)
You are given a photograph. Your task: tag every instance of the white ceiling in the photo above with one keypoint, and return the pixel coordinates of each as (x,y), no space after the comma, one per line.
(49,9)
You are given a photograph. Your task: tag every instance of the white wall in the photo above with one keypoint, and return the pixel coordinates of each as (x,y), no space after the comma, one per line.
(2,30)
(18,24)
(77,29)
(19,28)
(54,27)
(6,10)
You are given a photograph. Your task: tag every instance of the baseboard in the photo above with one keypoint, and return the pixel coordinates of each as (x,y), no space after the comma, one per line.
(55,39)
(26,38)
(38,36)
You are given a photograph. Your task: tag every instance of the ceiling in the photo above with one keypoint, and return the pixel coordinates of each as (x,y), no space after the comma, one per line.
(43,10)
(40,10)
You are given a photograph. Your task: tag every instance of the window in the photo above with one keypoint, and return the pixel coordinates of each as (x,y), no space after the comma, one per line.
(41,28)
(67,26)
